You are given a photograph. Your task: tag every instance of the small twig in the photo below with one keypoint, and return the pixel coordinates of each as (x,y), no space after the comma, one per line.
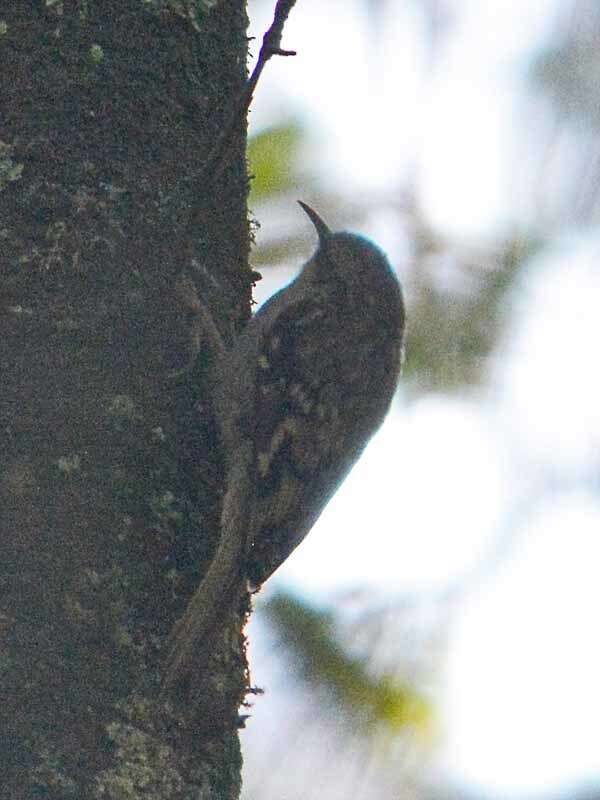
(271,46)
(215,161)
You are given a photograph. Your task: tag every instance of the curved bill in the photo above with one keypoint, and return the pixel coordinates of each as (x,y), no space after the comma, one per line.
(322,230)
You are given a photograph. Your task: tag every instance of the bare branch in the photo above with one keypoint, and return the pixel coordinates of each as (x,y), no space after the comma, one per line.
(271,46)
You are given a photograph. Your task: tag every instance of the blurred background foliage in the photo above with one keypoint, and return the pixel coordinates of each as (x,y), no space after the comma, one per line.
(462,293)
(370,702)
(272,157)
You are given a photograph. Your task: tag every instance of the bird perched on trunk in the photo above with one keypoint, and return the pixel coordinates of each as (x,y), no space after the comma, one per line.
(306,385)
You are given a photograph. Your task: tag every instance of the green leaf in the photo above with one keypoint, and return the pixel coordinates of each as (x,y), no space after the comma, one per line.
(383,702)
(272,158)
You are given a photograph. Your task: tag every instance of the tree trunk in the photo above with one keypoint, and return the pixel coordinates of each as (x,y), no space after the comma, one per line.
(110,473)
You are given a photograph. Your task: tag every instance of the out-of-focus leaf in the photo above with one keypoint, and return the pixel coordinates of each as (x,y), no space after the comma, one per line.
(381,702)
(272,159)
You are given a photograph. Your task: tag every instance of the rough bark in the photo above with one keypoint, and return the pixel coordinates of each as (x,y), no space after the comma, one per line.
(110,474)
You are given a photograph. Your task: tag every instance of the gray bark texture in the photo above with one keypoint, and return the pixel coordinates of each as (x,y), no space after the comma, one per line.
(110,472)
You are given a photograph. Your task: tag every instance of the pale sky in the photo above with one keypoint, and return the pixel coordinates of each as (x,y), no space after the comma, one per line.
(519,699)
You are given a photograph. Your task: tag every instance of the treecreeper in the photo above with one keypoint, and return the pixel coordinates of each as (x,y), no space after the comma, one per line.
(298,396)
